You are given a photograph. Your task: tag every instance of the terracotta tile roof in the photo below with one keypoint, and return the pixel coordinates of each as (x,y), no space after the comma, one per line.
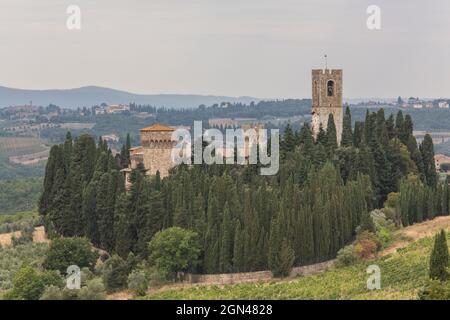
(157,127)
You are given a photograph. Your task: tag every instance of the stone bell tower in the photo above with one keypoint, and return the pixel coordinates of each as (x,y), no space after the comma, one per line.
(327,99)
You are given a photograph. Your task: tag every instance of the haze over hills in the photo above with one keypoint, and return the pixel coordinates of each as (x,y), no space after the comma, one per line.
(93,95)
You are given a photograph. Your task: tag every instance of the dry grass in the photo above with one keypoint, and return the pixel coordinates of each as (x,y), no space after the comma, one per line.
(38,236)
(416,232)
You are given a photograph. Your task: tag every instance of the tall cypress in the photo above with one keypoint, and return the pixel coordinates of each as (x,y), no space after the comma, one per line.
(331,134)
(439,259)
(427,151)
(347,134)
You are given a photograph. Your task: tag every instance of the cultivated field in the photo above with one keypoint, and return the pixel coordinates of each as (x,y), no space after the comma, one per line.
(404,271)
(12,146)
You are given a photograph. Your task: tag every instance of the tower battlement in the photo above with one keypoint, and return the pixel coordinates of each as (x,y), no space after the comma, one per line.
(333,72)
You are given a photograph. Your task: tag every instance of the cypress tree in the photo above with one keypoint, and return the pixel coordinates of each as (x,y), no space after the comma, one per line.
(331,135)
(427,151)
(321,136)
(89,214)
(347,134)
(399,124)
(226,243)
(390,127)
(289,139)
(105,211)
(439,259)
(358,136)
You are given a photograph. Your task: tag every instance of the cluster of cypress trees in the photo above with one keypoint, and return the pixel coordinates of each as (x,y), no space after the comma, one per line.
(245,222)
(418,202)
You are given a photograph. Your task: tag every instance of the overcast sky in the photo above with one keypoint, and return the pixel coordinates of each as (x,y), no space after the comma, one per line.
(261,48)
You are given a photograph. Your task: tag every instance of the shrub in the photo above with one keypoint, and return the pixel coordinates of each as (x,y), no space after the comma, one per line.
(173,250)
(52,293)
(27,285)
(52,278)
(435,290)
(369,236)
(392,200)
(367,223)
(154,277)
(346,256)
(64,252)
(86,275)
(115,274)
(137,283)
(94,290)
(365,248)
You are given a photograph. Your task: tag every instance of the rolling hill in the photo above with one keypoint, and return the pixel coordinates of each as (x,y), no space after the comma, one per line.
(93,95)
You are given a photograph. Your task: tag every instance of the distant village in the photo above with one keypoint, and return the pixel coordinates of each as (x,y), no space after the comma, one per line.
(410,103)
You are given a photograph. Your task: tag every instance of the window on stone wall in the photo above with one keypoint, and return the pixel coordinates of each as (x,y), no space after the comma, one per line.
(330,88)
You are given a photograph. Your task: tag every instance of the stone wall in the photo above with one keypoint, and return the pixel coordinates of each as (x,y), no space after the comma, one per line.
(232,278)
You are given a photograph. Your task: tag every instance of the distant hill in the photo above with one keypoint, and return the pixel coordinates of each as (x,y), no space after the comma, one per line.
(92,95)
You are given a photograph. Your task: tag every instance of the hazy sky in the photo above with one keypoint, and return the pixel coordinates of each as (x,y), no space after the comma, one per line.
(262,48)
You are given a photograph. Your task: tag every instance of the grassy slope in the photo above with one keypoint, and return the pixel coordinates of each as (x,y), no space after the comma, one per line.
(402,275)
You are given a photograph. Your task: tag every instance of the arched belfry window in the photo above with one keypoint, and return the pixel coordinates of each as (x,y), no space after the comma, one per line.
(330,88)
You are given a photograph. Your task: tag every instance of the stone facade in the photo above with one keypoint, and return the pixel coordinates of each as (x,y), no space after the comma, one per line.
(326,100)
(154,153)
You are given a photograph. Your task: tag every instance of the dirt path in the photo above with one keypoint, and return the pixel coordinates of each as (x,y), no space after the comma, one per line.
(416,232)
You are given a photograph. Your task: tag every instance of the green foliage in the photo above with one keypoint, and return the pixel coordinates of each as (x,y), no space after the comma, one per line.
(22,221)
(137,282)
(367,223)
(321,194)
(346,257)
(94,290)
(115,273)
(19,194)
(52,293)
(347,134)
(282,261)
(174,250)
(64,252)
(435,290)
(13,258)
(28,284)
(439,259)
(403,275)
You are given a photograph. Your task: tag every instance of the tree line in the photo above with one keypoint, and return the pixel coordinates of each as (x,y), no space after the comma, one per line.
(244,222)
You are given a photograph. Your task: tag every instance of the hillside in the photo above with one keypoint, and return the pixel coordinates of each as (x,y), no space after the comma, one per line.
(404,271)
(92,95)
